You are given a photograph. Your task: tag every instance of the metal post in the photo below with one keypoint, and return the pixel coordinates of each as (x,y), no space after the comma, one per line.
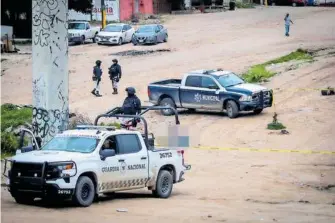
(50,67)
(103,14)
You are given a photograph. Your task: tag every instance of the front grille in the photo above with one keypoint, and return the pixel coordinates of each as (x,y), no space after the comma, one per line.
(263,98)
(27,169)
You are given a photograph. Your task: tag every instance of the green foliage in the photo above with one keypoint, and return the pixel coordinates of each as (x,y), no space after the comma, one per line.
(9,143)
(12,116)
(244,5)
(259,72)
(116,124)
(276,126)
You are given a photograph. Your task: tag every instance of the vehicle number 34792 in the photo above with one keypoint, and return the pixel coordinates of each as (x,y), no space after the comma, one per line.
(64,191)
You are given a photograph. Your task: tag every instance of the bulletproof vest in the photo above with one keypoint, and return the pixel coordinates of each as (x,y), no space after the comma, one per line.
(113,70)
(129,106)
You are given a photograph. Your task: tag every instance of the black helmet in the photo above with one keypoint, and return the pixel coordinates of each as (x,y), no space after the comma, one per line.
(115,60)
(130,90)
(98,62)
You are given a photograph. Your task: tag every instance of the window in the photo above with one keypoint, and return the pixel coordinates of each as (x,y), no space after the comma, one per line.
(206,82)
(71,143)
(229,80)
(124,28)
(193,81)
(128,143)
(160,26)
(88,26)
(128,27)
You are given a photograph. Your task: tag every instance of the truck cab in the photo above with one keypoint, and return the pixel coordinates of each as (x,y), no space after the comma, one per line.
(91,160)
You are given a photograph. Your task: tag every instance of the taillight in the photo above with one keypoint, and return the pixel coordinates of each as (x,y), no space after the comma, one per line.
(182,153)
(148,92)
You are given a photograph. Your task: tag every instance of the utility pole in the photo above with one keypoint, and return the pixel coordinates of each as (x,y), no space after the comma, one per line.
(103,14)
(50,68)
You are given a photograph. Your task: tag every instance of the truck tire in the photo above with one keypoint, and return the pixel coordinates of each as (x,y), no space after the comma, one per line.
(232,109)
(24,199)
(258,111)
(164,184)
(93,39)
(85,192)
(167,102)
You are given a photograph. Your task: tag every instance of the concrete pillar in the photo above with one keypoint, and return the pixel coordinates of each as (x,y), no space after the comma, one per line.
(50,67)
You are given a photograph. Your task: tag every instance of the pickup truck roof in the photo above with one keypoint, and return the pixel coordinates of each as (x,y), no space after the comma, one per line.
(217,72)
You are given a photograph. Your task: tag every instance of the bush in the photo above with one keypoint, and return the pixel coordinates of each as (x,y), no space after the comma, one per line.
(259,72)
(244,5)
(12,116)
(276,126)
(9,143)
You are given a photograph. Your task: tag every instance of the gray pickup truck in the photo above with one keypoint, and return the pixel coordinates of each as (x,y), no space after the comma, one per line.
(215,90)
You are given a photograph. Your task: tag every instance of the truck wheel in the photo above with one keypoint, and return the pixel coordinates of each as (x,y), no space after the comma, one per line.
(84,192)
(167,102)
(24,199)
(120,42)
(164,184)
(258,111)
(232,109)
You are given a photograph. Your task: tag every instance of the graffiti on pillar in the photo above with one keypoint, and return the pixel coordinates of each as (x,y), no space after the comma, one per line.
(46,123)
(50,77)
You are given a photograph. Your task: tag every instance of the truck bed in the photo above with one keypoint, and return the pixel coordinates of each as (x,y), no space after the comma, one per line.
(168,82)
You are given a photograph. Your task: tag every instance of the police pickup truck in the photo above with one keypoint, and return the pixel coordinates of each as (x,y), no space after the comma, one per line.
(215,90)
(82,163)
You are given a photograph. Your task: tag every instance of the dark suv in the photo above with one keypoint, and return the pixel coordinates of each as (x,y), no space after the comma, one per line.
(288,2)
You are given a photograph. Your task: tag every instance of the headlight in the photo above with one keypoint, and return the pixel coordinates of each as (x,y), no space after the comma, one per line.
(245,98)
(61,170)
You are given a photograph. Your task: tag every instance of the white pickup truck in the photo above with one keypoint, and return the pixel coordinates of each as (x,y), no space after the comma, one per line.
(80,31)
(83,163)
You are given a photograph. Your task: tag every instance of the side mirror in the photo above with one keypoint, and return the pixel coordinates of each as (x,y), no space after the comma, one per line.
(106,153)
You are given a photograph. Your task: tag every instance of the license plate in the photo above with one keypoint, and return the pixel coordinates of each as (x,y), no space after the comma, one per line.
(141,40)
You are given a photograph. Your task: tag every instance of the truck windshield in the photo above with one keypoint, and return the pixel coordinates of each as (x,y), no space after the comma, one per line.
(80,144)
(229,80)
(77,25)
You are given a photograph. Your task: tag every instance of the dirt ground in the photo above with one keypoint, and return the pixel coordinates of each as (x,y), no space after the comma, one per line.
(222,186)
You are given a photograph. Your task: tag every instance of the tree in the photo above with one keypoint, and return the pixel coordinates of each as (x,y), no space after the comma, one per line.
(19,15)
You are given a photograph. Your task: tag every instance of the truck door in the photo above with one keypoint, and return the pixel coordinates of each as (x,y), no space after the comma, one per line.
(109,168)
(210,97)
(190,92)
(133,159)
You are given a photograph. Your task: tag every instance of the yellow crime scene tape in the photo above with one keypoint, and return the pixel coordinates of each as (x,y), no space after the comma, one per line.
(260,150)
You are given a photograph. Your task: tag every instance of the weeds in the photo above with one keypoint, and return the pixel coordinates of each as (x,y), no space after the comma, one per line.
(13,116)
(242,5)
(275,125)
(259,72)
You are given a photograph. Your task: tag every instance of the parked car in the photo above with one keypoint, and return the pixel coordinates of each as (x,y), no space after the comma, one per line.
(115,34)
(215,90)
(150,34)
(80,31)
(83,163)
(288,2)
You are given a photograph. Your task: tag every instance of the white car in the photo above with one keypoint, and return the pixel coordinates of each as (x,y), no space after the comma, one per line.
(80,31)
(115,34)
(83,163)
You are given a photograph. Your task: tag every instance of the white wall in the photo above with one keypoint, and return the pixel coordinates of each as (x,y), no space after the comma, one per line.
(112,12)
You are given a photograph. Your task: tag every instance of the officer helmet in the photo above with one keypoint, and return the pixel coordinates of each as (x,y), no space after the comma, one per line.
(130,90)
(115,60)
(98,62)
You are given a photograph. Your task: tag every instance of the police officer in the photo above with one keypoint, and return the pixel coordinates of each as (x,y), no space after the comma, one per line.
(97,73)
(115,75)
(131,105)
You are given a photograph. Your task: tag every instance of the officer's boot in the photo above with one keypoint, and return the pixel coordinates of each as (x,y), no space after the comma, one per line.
(114,91)
(93,91)
(98,94)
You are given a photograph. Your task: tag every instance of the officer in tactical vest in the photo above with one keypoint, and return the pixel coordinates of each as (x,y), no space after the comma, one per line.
(131,106)
(115,74)
(97,73)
